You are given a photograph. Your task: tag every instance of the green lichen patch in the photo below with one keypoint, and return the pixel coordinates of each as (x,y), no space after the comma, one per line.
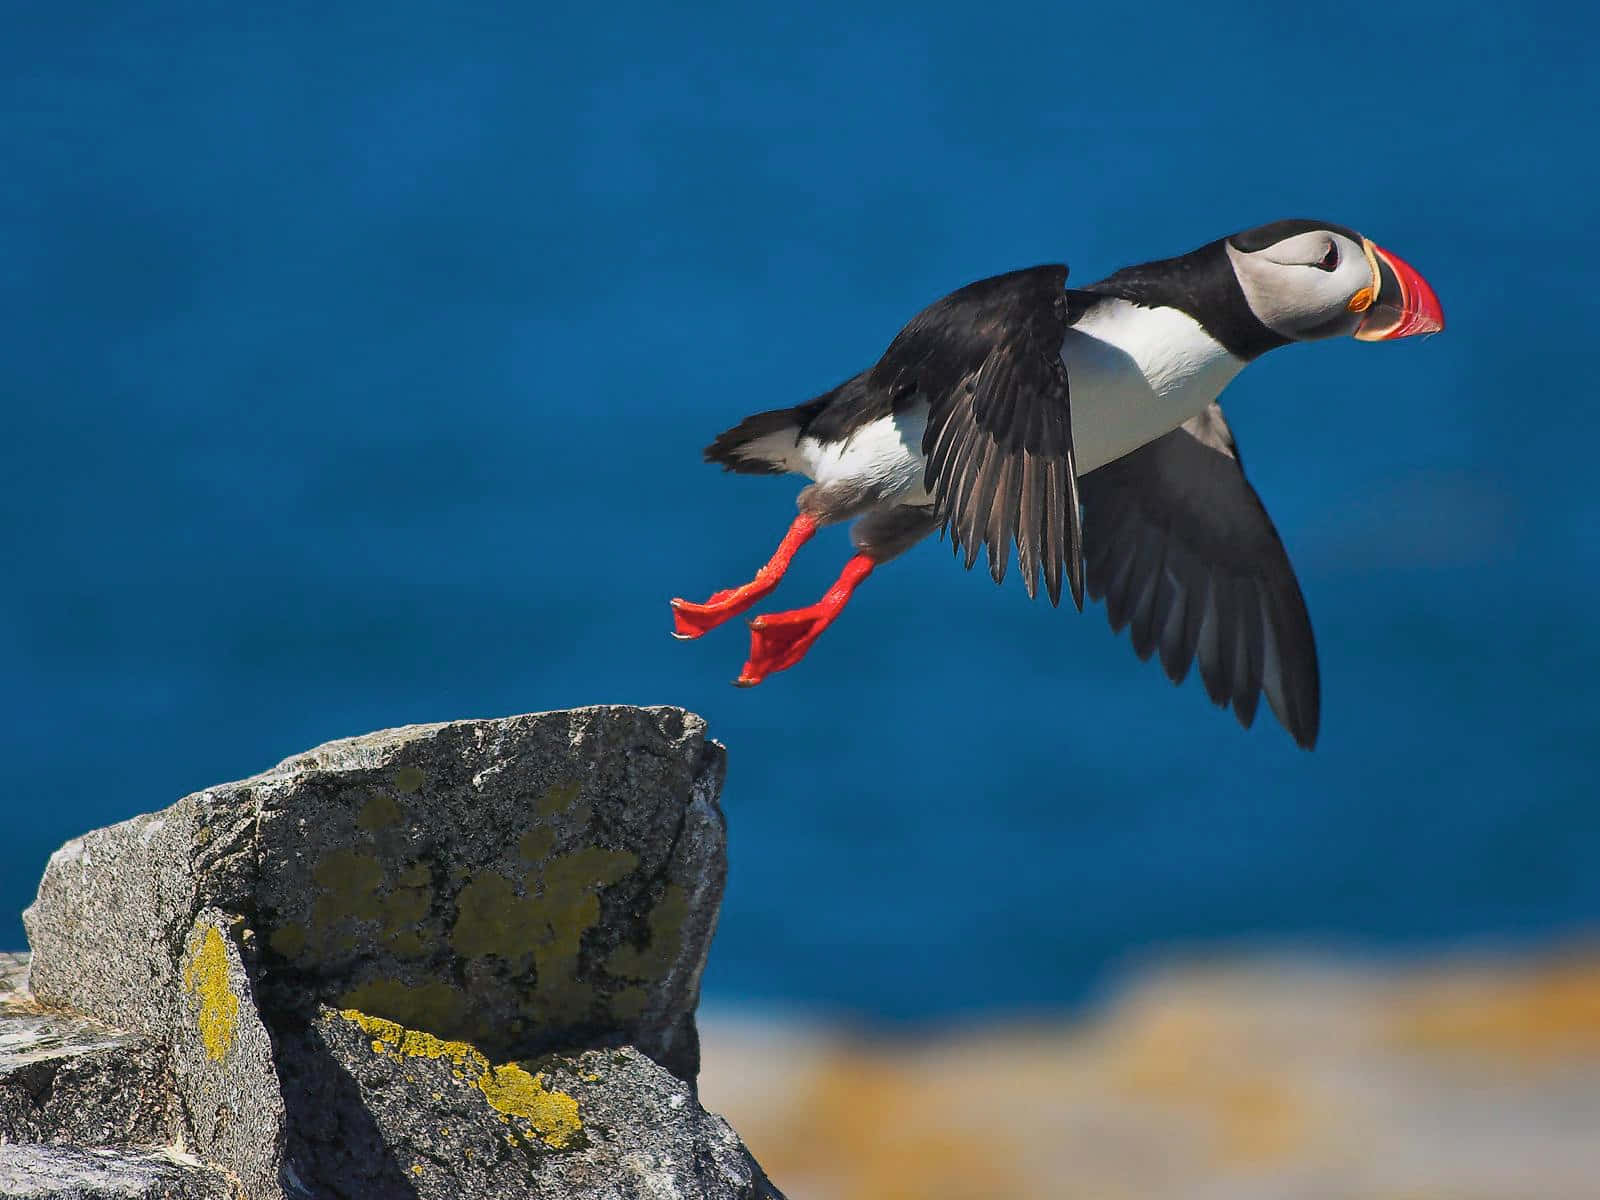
(629,1003)
(590,867)
(544,926)
(409,779)
(665,944)
(354,885)
(406,943)
(431,1005)
(348,880)
(416,875)
(489,918)
(288,939)
(379,812)
(558,798)
(547,924)
(536,844)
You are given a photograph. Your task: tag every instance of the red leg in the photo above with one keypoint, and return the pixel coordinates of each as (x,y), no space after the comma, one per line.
(779,640)
(691,620)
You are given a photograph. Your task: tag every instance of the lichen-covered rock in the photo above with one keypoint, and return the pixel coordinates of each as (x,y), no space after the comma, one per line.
(524,884)
(408,1114)
(70,1173)
(358,972)
(67,1079)
(226,1079)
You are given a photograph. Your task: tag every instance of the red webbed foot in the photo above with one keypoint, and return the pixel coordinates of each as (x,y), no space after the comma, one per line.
(690,620)
(779,640)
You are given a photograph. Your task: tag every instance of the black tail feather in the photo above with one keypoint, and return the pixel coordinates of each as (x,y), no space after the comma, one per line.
(758,444)
(735,448)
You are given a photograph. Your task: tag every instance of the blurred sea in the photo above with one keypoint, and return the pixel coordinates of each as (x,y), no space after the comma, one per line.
(356,364)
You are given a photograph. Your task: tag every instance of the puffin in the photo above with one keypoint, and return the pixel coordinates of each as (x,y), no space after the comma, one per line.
(1081,426)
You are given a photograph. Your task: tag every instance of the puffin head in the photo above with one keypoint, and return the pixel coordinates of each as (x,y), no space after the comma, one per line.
(1306,280)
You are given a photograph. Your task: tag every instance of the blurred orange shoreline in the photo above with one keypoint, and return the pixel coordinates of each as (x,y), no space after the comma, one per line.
(1292,1075)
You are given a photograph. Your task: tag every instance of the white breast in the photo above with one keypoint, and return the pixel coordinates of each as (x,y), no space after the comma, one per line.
(1136,373)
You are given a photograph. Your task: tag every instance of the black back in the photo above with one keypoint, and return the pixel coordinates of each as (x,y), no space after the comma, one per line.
(941,346)
(950,339)
(987,361)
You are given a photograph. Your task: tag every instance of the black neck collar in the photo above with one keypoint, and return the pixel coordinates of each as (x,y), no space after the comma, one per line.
(1203,285)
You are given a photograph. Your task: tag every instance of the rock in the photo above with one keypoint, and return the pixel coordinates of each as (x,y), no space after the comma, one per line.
(226,1077)
(69,1173)
(452,960)
(524,884)
(13,974)
(65,1078)
(404,1113)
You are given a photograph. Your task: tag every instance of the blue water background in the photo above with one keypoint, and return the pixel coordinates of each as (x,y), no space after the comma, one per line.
(356,361)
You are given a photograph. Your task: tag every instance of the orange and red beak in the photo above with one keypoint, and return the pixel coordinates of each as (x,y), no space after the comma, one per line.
(1400,304)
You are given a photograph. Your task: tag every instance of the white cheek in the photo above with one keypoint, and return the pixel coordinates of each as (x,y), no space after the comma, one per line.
(1352,276)
(1302,301)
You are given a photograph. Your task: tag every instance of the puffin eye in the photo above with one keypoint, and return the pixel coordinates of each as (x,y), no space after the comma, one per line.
(1330,260)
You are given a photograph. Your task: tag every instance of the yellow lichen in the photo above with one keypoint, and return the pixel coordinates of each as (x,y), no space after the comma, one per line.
(509,1089)
(413,1043)
(513,1091)
(206,977)
(408,779)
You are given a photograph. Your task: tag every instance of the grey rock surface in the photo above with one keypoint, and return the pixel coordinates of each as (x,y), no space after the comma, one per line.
(446,960)
(524,883)
(225,1074)
(71,1173)
(408,1114)
(65,1078)
(13,974)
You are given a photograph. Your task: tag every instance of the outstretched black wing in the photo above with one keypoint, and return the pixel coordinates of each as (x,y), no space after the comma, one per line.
(1185,555)
(987,360)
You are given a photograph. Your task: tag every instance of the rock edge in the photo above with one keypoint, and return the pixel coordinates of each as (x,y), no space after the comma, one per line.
(446,960)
